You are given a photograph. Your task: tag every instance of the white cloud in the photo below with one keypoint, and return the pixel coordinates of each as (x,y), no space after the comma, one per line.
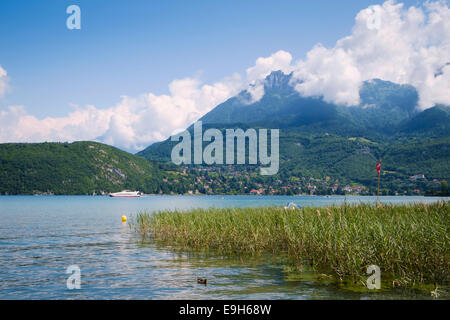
(3,81)
(329,73)
(390,42)
(132,124)
(16,125)
(280,60)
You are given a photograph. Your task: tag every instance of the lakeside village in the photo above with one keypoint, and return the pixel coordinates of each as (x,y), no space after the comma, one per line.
(230,181)
(246,180)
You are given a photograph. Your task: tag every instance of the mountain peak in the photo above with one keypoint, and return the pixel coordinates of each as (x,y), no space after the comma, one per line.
(277,80)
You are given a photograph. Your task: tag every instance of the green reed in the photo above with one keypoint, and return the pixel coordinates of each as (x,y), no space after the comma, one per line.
(408,242)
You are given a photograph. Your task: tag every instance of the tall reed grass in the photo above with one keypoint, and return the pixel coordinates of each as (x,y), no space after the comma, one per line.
(409,243)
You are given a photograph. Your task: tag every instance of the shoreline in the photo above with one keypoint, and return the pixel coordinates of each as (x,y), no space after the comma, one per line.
(228,195)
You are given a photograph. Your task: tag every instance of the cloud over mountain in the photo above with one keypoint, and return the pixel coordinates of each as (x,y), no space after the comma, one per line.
(389,41)
(280,60)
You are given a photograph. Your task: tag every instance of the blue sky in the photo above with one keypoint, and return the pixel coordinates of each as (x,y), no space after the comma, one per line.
(139,71)
(130,47)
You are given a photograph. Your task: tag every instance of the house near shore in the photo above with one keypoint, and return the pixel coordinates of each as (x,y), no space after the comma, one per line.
(256,192)
(417,177)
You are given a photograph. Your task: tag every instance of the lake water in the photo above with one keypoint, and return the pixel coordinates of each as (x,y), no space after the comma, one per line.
(40,236)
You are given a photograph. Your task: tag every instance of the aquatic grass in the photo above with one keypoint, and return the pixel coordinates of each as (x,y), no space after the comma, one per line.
(410,243)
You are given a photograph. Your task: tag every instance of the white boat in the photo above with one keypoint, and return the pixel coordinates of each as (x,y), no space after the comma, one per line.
(126,194)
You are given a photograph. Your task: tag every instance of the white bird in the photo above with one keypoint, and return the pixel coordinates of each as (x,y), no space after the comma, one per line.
(291,206)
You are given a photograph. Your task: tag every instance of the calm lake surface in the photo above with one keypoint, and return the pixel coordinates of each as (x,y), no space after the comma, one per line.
(40,236)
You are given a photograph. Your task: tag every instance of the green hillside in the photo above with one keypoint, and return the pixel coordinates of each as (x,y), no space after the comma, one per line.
(73,168)
(431,122)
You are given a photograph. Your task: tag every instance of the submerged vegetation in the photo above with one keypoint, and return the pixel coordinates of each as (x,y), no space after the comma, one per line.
(410,243)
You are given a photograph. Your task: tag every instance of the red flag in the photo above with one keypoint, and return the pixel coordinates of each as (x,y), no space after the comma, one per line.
(378,166)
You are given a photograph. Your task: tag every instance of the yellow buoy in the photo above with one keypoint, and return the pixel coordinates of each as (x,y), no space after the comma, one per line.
(124,218)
